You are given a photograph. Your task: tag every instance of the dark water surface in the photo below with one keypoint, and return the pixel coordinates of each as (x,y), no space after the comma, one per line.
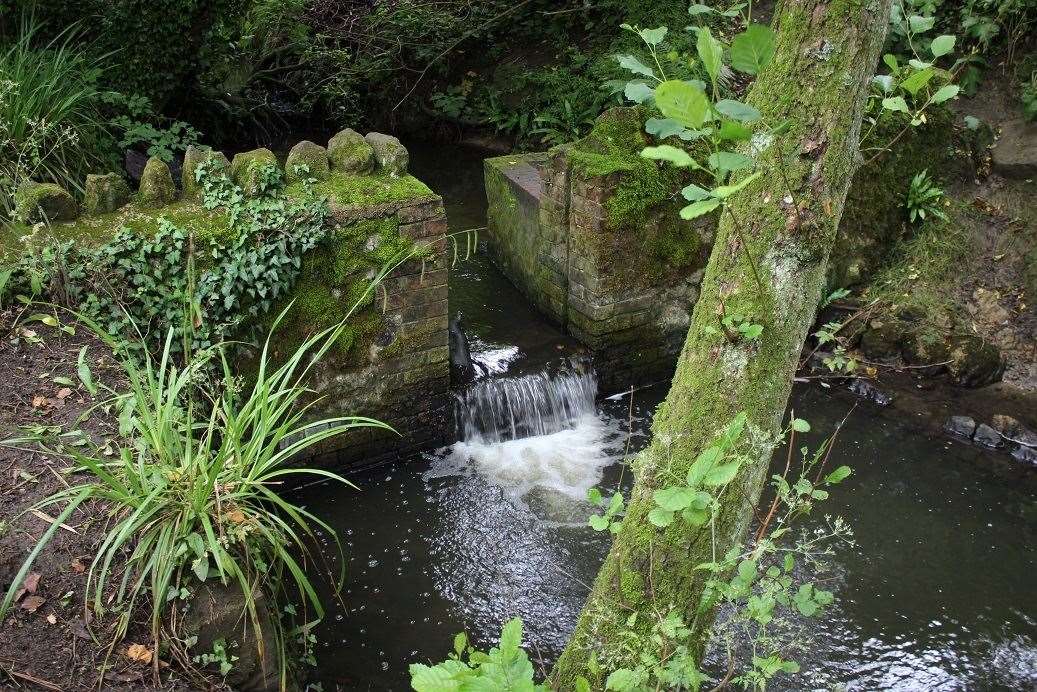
(939,593)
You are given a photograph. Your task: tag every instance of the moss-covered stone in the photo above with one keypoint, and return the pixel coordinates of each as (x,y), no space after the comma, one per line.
(156,185)
(105,193)
(313,156)
(46,202)
(975,362)
(247,170)
(350,153)
(391,157)
(350,190)
(194,157)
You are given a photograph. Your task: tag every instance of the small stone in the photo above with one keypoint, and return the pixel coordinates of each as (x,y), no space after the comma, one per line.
(105,193)
(975,362)
(390,156)
(960,425)
(1027,438)
(247,170)
(1025,454)
(194,157)
(987,437)
(313,156)
(156,185)
(1006,425)
(47,202)
(866,390)
(349,152)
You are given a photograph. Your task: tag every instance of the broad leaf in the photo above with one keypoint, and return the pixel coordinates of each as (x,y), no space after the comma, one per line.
(725,191)
(653,37)
(686,103)
(919,24)
(635,65)
(942,45)
(666,152)
(839,475)
(918,80)
(674,498)
(693,193)
(895,103)
(736,110)
(697,9)
(728,162)
(752,49)
(721,475)
(693,211)
(800,425)
(660,517)
(946,93)
(711,53)
(732,131)
(638,92)
(663,127)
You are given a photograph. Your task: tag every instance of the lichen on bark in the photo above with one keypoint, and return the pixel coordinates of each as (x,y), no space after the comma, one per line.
(818,80)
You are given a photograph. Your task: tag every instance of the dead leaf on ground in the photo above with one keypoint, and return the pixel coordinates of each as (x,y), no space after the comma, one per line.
(236,516)
(77,566)
(52,619)
(139,653)
(64,393)
(29,585)
(33,603)
(39,401)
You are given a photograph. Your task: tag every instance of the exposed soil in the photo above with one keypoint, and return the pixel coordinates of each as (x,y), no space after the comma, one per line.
(50,640)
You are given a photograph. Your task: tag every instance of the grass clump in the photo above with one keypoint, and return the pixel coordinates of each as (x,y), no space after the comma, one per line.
(192,491)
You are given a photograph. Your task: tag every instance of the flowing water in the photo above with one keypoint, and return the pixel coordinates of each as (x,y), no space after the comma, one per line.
(939,592)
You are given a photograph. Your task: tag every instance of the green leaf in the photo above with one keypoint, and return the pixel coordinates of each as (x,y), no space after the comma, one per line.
(660,517)
(511,635)
(693,211)
(728,162)
(722,474)
(594,496)
(917,80)
(686,103)
(663,127)
(200,567)
(946,93)
(697,9)
(638,92)
(942,45)
(634,64)
(622,680)
(669,153)
(800,425)
(83,370)
(895,103)
(653,37)
(711,53)
(598,522)
(736,110)
(460,643)
(838,475)
(673,498)
(725,191)
(752,49)
(732,131)
(919,24)
(694,193)
(428,679)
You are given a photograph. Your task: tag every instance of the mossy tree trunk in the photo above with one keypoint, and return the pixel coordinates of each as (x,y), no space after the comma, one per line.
(817,82)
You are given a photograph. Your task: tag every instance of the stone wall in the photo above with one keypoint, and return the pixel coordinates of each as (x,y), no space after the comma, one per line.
(624,283)
(392,361)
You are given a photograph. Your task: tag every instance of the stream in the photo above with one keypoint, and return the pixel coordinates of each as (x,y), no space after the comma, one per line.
(939,591)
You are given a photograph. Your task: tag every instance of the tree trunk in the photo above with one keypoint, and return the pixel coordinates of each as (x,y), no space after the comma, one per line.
(817,82)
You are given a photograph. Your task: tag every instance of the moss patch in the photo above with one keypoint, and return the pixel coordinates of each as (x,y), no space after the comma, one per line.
(368,189)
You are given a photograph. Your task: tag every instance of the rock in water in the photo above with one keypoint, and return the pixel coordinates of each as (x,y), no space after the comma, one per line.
(866,390)
(105,193)
(156,185)
(975,362)
(47,202)
(249,168)
(987,437)
(349,152)
(960,425)
(194,157)
(313,156)
(462,370)
(390,156)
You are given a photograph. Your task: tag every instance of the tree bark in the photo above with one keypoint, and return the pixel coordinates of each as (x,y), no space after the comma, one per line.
(817,82)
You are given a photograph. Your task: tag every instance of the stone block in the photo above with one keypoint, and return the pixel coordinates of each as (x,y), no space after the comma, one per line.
(309,156)
(156,185)
(349,152)
(105,193)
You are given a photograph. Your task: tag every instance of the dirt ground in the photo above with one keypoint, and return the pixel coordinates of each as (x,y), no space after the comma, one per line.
(50,640)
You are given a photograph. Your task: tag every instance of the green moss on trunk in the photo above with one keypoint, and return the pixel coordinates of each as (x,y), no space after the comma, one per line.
(818,82)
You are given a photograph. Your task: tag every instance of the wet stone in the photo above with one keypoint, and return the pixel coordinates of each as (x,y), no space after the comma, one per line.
(986,436)
(960,425)
(867,390)
(1025,454)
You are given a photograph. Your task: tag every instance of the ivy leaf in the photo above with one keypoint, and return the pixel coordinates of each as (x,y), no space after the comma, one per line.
(653,37)
(895,103)
(632,63)
(946,93)
(752,49)
(693,211)
(684,102)
(711,53)
(736,110)
(666,152)
(942,45)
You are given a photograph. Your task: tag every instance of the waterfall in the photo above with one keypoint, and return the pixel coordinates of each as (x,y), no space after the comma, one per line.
(515,408)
